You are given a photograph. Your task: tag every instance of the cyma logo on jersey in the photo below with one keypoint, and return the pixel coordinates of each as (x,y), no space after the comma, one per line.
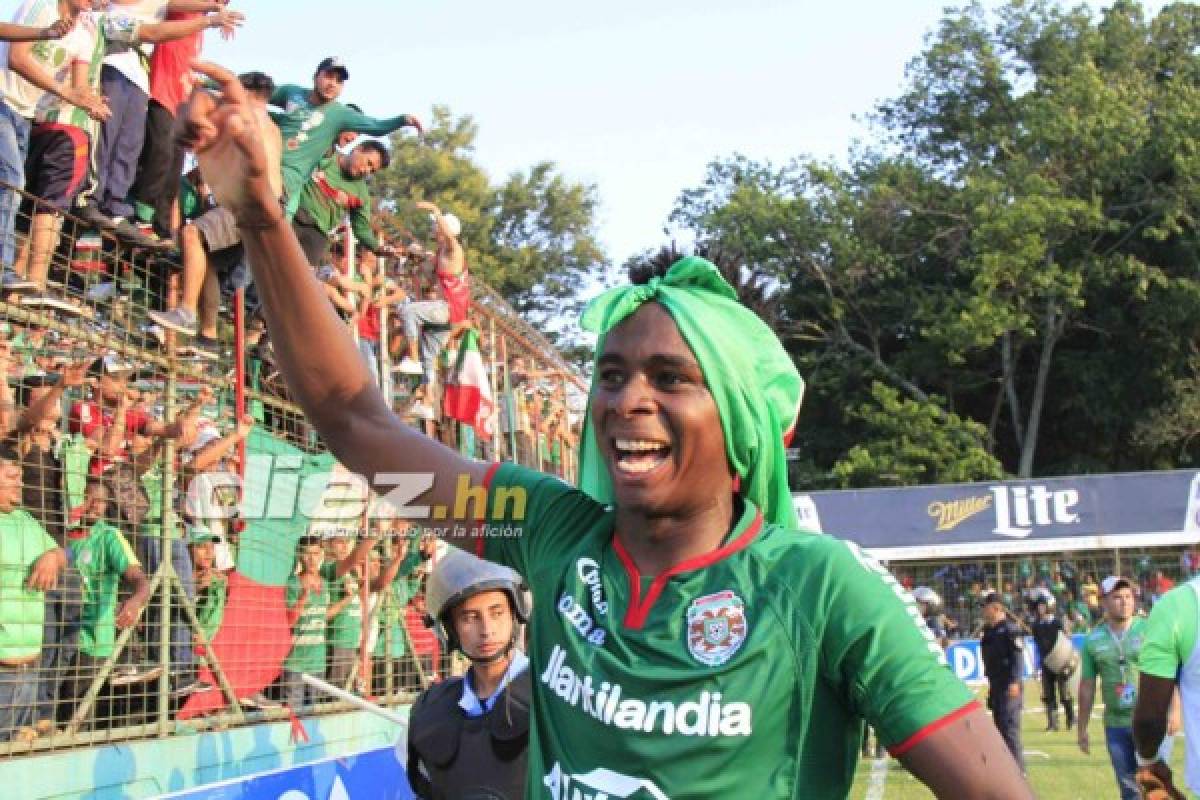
(605,702)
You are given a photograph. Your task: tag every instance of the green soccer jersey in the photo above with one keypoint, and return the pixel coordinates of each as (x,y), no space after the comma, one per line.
(308,634)
(330,195)
(746,672)
(1170,634)
(345,629)
(23,541)
(309,132)
(102,557)
(1114,659)
(210,605)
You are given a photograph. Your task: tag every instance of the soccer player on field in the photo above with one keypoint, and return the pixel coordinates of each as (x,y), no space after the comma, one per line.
(686,640)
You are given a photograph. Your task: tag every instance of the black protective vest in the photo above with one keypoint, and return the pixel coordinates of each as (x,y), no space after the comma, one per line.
(455,757)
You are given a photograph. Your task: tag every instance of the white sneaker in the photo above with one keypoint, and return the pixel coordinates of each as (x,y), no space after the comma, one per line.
(47,300)
(12,282)
(179,320)
(409,367)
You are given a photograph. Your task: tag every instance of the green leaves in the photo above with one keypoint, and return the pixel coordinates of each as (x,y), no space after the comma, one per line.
(1006,278)
(531,236)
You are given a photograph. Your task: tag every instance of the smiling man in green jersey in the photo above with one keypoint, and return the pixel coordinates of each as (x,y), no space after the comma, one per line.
(687,640)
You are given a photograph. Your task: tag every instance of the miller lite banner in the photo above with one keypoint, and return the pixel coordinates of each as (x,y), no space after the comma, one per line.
(1141,509)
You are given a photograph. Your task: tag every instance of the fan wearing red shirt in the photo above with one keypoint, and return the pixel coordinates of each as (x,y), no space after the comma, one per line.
(97,419)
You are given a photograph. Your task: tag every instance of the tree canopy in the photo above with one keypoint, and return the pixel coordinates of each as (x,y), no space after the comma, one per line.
(1006,280)
(531,236)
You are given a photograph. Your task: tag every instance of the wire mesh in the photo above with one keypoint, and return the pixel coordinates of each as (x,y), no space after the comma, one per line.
(154,457)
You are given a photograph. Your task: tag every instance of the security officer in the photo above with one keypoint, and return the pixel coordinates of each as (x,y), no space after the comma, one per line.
(468,737)
(1002,648)
(1056,682)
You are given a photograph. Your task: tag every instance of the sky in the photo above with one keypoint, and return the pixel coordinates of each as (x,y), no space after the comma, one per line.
(633,97)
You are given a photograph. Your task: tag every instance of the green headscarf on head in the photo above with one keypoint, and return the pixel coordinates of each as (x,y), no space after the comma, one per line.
(752,379)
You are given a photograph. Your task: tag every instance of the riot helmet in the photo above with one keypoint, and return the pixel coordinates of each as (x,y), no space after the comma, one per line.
(458,576)
(929,598)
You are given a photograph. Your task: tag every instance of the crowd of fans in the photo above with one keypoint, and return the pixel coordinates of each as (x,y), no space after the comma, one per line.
(93,450)
(1070,587)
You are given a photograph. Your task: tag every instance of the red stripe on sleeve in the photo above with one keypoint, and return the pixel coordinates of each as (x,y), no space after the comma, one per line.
(488,477)
(932,728)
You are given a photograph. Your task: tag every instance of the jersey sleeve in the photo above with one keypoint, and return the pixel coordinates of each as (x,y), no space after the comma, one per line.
(361,123)
(280,96)
(873,646)
(1087,663)
(80,43)
(531,517)
(1170,633)
(360,223)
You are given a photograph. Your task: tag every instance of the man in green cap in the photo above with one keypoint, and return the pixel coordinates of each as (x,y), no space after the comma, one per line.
(673,582)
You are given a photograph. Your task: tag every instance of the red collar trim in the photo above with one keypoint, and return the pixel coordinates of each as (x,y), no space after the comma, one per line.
(639,607)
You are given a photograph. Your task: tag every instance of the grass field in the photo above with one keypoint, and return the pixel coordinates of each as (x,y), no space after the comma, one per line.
(1057,770)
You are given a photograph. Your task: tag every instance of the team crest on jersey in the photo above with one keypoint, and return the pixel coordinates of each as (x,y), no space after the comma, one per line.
(716,627)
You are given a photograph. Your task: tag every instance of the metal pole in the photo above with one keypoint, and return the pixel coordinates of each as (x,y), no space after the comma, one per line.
(166,529)
(239,370)
(353,699)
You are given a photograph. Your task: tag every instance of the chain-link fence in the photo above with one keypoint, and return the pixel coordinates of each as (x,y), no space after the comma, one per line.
(156,455)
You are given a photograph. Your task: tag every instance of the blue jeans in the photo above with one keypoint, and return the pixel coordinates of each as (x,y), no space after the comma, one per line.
(427,322)
(149,550)
(14,144)
(1121,753)
(60,641)
(121,141)
(18,690)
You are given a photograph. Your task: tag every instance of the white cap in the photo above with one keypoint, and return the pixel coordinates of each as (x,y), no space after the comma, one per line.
(206,434)
(1112,583)
(453,223)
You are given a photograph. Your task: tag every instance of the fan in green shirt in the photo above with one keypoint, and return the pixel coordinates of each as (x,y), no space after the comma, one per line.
(311,119)
(104,558)
(212,588)
(307,598)
(338,188)
(30,562)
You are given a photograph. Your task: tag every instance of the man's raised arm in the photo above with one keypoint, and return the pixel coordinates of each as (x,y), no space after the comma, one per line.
(315,352)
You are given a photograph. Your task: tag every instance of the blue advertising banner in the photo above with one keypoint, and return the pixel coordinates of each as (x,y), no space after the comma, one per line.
(1143,509)
(370,775)
(964,658)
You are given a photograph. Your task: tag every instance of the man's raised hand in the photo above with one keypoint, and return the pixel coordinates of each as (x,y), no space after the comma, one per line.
(223,132)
